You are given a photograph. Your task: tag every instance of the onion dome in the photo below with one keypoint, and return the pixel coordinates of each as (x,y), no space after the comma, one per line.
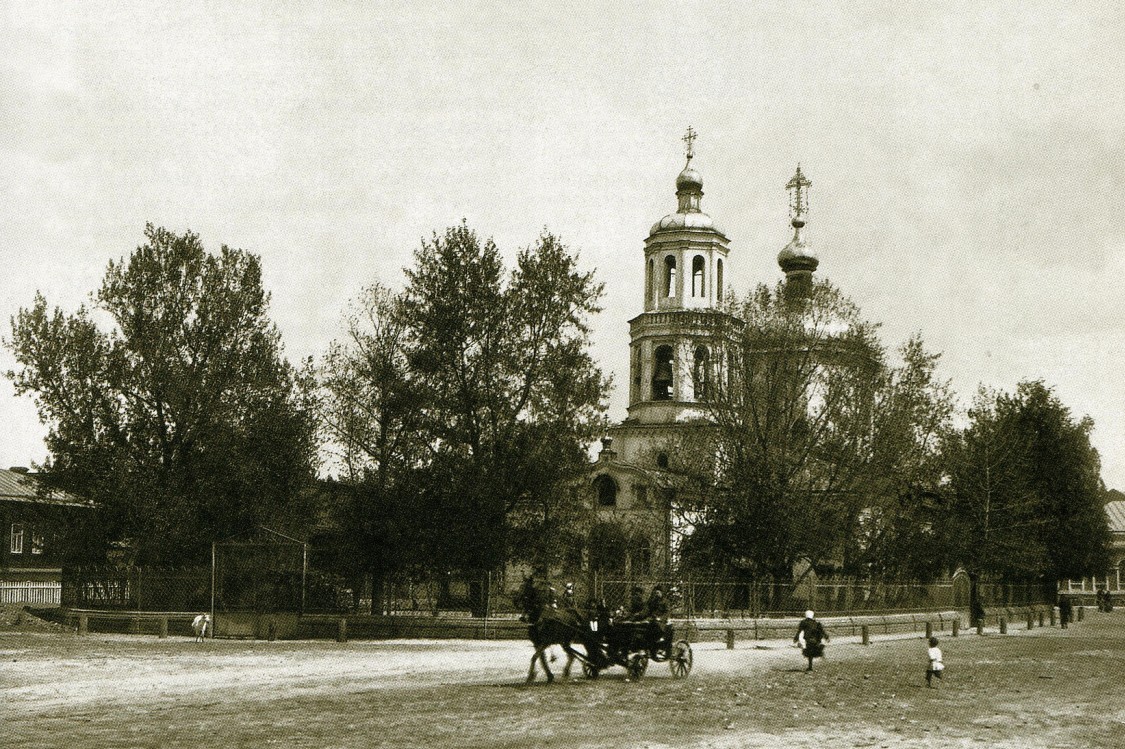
(689,193)
(797,256)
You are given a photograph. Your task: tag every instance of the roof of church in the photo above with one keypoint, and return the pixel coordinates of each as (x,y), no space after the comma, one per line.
(1115,513)
(16,486)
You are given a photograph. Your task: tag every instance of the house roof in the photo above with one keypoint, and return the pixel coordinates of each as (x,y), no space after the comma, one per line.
(1115,513)
(16,486)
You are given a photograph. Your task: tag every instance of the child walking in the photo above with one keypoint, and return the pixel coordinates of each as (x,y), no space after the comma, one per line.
(936,665)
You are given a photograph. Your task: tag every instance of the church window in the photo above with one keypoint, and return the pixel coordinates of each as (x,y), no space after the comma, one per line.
(669,276)
(701,372)
(648,281)
(662,374)
(607,491)
(640,495)
(662,460)
(697,276)
(719,280)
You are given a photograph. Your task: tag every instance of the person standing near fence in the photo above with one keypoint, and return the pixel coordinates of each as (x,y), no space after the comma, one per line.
(811,637)
(1065,609)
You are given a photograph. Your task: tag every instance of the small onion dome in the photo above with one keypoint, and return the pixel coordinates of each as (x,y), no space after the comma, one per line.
(689,178)
(797,255)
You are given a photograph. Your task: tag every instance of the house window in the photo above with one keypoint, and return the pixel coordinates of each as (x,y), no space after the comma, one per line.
(669,276)
(17,538)
(36,542)
(607,491)
(697,276)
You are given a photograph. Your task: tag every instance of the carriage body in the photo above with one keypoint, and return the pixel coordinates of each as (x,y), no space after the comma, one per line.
(632,644)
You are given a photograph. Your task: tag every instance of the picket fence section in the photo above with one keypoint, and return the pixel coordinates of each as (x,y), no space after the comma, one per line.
(31,593)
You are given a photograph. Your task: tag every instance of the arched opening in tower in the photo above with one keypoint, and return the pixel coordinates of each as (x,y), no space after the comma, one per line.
(719,280)
(701,372)
(669,276)
(697,288)
(662,374)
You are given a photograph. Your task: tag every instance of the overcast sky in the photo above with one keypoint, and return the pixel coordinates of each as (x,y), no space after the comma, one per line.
(966,158)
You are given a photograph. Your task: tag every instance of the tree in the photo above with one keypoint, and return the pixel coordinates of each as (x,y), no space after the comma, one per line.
(487,378)
(816,434)
(182,420)
(1025,489)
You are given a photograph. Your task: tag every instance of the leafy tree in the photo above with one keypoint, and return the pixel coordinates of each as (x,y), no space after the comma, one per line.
(476,386)
(1025,489)
(182,420)
(816,434)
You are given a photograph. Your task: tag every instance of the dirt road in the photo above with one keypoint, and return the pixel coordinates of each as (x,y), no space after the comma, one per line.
(1043,688)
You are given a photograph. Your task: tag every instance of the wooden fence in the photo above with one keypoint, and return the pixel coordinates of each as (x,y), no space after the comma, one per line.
(32,593)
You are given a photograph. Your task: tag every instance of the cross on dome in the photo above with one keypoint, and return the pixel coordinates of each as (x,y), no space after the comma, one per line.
(689,139)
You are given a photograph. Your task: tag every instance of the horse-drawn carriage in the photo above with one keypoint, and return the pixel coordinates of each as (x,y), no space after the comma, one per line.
(632,645)
(605,642)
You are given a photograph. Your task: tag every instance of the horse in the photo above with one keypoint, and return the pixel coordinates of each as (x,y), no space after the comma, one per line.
(547,626)
(201,625)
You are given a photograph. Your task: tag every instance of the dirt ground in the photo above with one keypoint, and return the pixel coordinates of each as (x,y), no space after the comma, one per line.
(1041,688)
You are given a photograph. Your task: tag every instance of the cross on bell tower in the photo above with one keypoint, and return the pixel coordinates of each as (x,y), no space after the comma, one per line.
(689,140)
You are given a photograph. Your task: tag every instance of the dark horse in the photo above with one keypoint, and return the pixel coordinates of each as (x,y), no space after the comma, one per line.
(548,625)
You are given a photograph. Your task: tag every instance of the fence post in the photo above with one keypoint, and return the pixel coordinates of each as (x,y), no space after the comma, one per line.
(1052,612)
(163,627)
(956,625)
(1081,613)
(730,639)
(1040,618)
(1030,620)
(929,629)
(1003,625)
(83,624)
(342,630)
(865,634)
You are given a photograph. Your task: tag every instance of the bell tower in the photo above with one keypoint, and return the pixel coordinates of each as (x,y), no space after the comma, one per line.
(672,351)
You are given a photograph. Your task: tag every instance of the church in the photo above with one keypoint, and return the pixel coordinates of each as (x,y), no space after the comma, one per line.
(675,352)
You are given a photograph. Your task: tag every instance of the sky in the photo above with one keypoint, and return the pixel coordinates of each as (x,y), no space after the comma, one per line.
(965,159)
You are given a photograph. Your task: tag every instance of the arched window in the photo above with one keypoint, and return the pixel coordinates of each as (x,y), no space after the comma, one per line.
(697,276)
(719,280)
(669,276)
(648,281)
(607,491)
(701,372)
(662,460)
(662,374)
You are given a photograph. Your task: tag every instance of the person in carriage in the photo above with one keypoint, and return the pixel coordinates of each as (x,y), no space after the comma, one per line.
(638,608)
(657,617)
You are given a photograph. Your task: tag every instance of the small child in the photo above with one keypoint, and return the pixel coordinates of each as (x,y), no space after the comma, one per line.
(936,665)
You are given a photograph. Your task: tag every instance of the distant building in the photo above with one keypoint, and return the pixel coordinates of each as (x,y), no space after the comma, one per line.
(1114,578)
(33,518)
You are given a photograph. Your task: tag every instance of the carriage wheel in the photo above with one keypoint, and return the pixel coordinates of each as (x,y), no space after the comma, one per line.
(589,670)
(638,664)
(680,659)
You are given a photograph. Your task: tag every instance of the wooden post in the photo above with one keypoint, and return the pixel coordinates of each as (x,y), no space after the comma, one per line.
(1030,620)
(730,639)
(1003,626)
(866,635)
(1081,613)
(929,630)
(272,631)
(1052,613)
(83,624)
(342,630)
(1040,618)
(163,627)
(980,626)
(956,625)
